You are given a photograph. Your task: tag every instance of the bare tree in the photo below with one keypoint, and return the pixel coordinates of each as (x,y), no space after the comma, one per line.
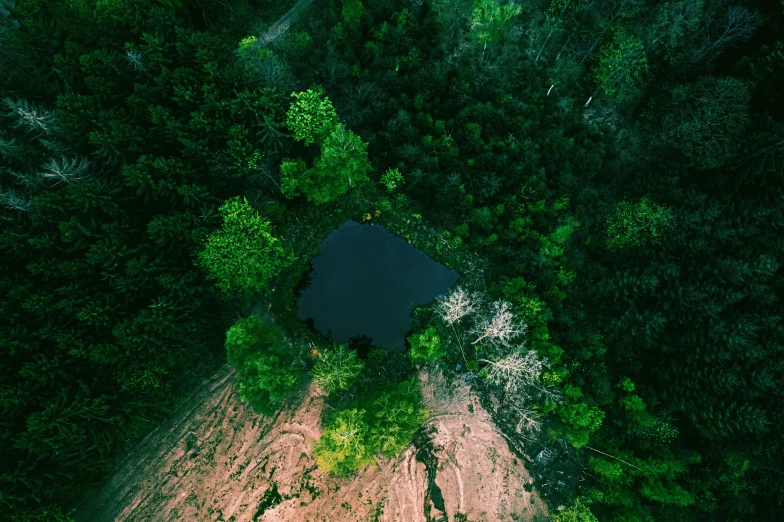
(334,69)
(527,420)
(554,27)
(355,99)
(15,201)
(518,374)
(515,372)
(35,120)
(452,15)
(546,392)
(456,305)
(136,60)
(719,32)
(764,159)
(266,173)
(65,169)
(500,328)
(7,146)
(586,11)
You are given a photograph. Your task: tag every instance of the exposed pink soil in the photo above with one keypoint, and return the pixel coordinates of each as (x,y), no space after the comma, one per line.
(218,458)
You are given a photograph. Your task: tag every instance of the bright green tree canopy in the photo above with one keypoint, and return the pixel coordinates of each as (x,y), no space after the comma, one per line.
(243,256)
(383,425)
(634,224)
(342,165)
(425,346)
(391,179)
(621,66)
(490,20)
(311,117)
(342,448)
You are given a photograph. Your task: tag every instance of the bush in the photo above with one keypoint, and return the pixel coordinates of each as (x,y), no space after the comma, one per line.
(577,512)
(425,346)
(336,368)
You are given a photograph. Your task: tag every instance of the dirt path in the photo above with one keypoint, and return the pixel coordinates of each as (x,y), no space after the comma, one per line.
(282,25)
(218,461)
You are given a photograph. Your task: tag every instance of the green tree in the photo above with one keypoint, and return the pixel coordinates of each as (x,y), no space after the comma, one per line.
(639,223)
(621,66)
(490,20)
(394,417)
(44,514)
(336,368)
(268,367)
(581,418)
(352,10)
(425,346)
(382,423)
(577,511)
(342,448)
(243,256)
(452,16)
(707,120)
(342,165)
(391,179)
(672,23)
(311,117)
(292,172)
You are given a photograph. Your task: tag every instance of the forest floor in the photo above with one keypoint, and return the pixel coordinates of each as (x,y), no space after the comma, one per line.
(217,460)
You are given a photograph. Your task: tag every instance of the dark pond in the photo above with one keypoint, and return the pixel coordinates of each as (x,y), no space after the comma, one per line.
(366,281)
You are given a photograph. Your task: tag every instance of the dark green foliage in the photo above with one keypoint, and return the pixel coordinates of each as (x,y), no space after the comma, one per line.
(537,186)
(707,121)
(269,367)
(311,116)
(612,169)
(122,131)
(270,499)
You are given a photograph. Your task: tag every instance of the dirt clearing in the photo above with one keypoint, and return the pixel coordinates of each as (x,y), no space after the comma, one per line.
(217,460)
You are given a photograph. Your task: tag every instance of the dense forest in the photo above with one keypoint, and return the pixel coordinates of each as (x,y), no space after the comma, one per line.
(605,175)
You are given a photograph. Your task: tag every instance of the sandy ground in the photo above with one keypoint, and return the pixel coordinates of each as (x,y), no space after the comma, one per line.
(216,460)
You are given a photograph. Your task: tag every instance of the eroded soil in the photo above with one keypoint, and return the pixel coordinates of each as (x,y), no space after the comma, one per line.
(217,460)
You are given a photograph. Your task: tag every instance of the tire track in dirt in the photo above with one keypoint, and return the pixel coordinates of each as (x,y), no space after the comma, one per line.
(218,460)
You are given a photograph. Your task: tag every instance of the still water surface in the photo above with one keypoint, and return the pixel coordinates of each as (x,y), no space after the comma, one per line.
(366,280)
